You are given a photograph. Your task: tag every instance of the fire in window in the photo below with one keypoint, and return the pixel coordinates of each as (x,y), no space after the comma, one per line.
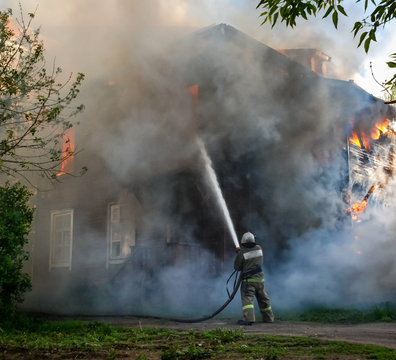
(121,232)
(67,152)
(61,238)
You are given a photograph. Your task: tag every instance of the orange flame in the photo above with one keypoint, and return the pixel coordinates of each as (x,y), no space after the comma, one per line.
(366,141)
(361,206)
(358,207)
(363,140)
(354,139)
(193,90)
(380,128)
(67,152)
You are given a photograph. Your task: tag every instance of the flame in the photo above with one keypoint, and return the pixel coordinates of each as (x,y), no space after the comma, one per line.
(354,139)
(67,152)
(363,140)
(193,90)
(366,141)
(360,206)
(380,128)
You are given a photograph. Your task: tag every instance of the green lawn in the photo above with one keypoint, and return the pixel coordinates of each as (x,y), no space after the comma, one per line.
(32,339)
(383,312)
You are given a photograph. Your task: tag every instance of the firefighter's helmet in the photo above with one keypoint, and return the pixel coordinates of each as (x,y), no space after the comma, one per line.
(248,238)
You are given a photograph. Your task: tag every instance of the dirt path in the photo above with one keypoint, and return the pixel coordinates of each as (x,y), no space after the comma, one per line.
(383,334)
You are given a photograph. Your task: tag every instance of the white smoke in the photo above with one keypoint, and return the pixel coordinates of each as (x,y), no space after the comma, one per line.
(138,121)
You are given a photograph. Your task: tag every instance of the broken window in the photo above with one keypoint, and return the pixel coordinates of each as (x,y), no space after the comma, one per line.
(61,239)
(121,232)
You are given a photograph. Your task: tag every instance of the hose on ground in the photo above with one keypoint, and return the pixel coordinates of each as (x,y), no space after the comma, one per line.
(237,283)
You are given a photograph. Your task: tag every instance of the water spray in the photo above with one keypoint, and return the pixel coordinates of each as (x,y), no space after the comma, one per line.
(211,180)
(215,187)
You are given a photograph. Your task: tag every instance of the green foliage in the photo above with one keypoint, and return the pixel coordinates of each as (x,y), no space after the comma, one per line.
(224,335)
(35,105)
(15,221)
(20,321)
(192,352)
(288,11)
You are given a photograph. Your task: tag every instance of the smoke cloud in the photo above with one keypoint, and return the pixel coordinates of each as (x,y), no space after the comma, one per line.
(277,144)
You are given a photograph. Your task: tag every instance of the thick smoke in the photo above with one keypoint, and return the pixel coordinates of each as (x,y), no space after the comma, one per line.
(279,136)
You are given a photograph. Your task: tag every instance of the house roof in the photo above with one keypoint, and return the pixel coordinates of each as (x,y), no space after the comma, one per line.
(229,41)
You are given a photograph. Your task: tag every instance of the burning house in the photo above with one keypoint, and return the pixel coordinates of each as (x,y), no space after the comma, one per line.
(145,215)
(371,162)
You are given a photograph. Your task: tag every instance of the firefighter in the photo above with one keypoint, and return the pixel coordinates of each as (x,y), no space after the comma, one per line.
(249,261)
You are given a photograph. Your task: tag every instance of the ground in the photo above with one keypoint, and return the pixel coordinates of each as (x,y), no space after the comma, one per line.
(382,334)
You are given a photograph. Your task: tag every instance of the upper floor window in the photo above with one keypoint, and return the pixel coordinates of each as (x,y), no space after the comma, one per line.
(67,152)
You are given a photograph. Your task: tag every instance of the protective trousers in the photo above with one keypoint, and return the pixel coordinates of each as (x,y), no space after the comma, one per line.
(254,288)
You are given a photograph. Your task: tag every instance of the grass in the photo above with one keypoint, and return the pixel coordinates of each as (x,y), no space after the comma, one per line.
(380,313)
(28,338)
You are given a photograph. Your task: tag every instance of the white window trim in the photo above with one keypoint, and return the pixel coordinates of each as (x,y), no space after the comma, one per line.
(109,259)
(53,214)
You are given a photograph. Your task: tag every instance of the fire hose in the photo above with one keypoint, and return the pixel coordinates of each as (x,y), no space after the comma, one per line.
(237,283)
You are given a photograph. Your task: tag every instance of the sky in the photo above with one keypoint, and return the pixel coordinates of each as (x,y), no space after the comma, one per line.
(347,61)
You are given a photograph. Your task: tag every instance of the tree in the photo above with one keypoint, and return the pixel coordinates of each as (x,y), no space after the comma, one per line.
(383,13)
(35,118)
(35,107)
(15,221)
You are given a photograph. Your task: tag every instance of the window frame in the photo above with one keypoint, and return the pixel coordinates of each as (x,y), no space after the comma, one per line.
(119,259)
(52,263)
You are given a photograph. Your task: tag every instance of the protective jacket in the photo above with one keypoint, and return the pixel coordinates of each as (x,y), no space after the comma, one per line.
(250,261)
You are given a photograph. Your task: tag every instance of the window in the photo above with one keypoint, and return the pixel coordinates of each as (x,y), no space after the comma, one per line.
(121,232)
(67,152)
(61,239)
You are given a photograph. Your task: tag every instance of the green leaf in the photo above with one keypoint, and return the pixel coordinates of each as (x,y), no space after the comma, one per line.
(391,64)
(335,19)
(265,20)
(312,8)
(275,19)
(357,27)
(372,35)
(272,10)
(260,3)
(367,45)
(362,37)
(329,10)
(341,10)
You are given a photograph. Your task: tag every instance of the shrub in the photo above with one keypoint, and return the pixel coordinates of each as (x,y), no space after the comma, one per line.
(15,223)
